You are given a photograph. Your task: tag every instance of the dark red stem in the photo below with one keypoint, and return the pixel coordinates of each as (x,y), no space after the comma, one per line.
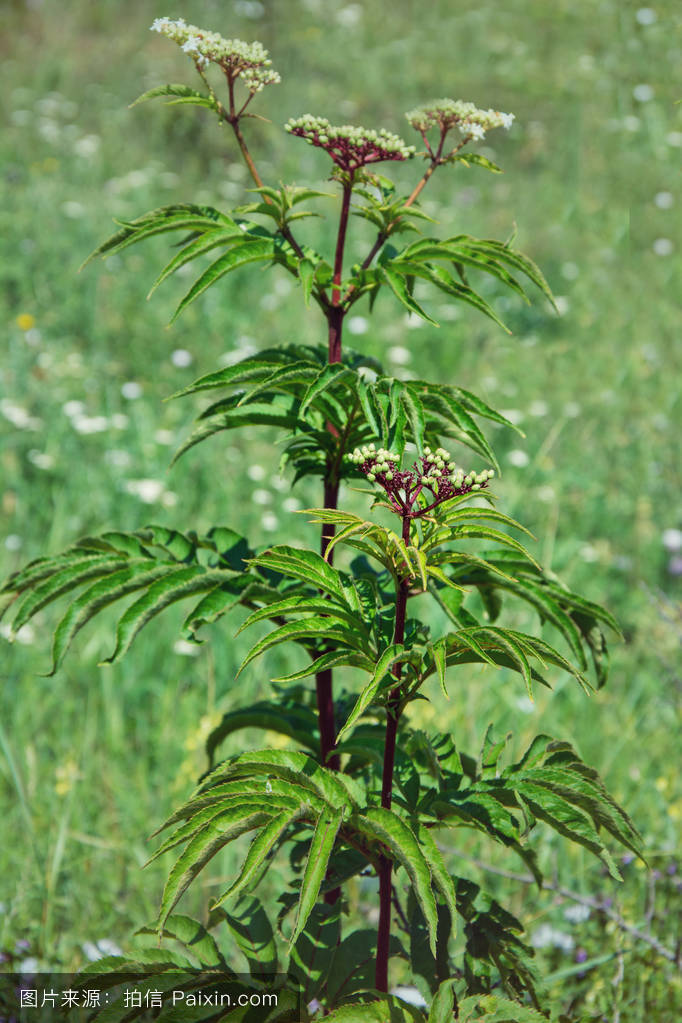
(392,716)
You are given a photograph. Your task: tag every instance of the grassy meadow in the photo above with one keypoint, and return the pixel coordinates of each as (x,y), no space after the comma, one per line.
(92,759)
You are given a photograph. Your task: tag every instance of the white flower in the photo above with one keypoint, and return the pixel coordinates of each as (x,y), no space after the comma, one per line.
(547,936)
(476,131)
(261,497)
(256,472)
(664,200)
(577,913)
(357,324)
(401,356)
(41,459)
(269,521)
(131,390)
(165,437)
(672,539)
(90,424)
(518,458)
(147,490)
(181,358)
(73,408)
(663,247)
(646,16)
(185,649)
(643,93)
(507,120)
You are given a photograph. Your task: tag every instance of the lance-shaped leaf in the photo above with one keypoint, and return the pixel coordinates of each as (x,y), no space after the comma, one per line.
(261,847)
(223,829)
(176,217)
(382,1009)
(386,827)
(386,661)
(336,788)
(253,933)
(178,93)
(253,250)
(320,851)
(305,565)
(285,717)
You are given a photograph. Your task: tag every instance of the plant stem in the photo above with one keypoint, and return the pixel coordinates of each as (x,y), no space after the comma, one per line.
(341,242)
(392,716)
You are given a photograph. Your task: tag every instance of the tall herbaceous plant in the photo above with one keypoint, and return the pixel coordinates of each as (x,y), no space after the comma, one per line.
(357,790)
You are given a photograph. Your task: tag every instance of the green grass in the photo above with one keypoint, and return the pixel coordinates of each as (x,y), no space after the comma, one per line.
(92,759)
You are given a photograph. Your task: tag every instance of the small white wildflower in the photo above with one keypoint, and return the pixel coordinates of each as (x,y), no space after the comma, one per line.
(87,146)
(349,16)
(131,390)
(185,649)
(518,458)
(539,408)
(90,424)
(672,539)
(13,542)
(290,504)
(73,408)
(119,421)
(169,499)
(577,913)
(269,521)
(589,553)
(643,93)
(41,459)
(572,409)
(674,138)
(631,123)
(165,437)
(562,305)
(118,458)
(73,209)
(570,271)
(547,936)
(181,358)
(646,16)
(256,472)
(261,497)
(664,200)
(147,490)
(546,494)
(663,247)
(401,356)
(357,324)
(514,415)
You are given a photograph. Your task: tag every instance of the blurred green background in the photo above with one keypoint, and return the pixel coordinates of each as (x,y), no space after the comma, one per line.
(93,758)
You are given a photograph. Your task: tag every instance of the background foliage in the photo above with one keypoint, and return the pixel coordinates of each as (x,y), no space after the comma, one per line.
(591,170)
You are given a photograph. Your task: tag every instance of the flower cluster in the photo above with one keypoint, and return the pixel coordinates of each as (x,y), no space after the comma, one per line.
(248,61)
(456,113)
(349,147)
(433,472)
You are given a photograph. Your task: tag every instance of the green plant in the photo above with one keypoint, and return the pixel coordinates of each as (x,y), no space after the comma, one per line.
(368,792)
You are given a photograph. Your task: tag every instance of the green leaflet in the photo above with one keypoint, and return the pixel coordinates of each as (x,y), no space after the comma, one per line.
(384,1009)
(301,564)
(178,92)
(439,872)
(262,845)
(203,847)
(398,285)
(386,661)
(253,933)
(194,936)
(250,251)
(174,586)
(321,848)
(386,827)
(335,787)
(495,1009)
(103,593)
(297,722)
